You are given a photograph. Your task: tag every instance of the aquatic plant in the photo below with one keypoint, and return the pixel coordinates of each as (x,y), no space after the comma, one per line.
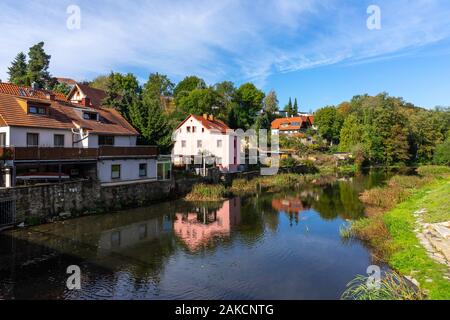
(391,287)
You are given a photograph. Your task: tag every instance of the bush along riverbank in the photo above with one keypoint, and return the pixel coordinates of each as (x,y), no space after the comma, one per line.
(243,187)
(397,216)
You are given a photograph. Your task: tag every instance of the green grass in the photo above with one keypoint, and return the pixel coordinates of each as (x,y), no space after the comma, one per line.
(390,231)
(392,287)
(409,257)
(437,203)
(207,192)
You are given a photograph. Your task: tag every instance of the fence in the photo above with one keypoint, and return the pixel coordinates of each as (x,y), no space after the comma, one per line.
(7,212)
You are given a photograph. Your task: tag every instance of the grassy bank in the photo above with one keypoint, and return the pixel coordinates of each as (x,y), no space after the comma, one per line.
(389,230)
(243,187)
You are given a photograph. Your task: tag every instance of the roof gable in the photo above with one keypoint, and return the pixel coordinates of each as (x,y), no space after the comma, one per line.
(214,124)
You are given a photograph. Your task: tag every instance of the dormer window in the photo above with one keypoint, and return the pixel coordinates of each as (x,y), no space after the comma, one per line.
(37,110)
(90,116)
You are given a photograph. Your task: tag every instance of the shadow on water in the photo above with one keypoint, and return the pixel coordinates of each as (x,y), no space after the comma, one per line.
(268,246)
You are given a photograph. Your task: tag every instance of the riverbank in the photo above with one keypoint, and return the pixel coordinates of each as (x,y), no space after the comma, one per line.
(243,187)
(397,215)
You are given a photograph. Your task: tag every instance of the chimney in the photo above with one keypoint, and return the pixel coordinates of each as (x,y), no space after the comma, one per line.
(205,116)
(211,118)
(86,102)
(50,96)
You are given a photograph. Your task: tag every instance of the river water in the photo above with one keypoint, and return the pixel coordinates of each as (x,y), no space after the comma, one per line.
(267,246)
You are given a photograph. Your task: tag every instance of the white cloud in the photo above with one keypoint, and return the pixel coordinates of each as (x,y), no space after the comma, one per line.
(229,39)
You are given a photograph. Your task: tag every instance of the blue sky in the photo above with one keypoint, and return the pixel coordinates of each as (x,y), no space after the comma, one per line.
(318,51)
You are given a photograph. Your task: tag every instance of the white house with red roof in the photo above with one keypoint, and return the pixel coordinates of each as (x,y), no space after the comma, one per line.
(47,137)
(199,137)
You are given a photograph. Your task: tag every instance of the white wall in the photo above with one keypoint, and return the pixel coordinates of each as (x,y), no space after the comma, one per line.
(209,143)
(129,169)
(8,134)
(17,136)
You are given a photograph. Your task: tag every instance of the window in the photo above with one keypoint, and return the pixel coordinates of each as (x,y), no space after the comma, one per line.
(188,129)
(36,110)
(142,170)
(183,143)
(2,139)
(105,140)
(199,143)
(89,116)
(115,171)
(115,239)
(32,139)
(203,129)
(194,129)
(219,143)
(58,140)
(164,170)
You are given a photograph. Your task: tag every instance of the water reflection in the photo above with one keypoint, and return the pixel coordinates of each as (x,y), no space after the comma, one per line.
(268,246)
(197,227)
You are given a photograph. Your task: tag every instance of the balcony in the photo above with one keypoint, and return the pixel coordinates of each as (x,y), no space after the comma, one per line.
(143,151)
(49,154)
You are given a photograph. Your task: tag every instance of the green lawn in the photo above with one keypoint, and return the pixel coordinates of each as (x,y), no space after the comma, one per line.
(409,257)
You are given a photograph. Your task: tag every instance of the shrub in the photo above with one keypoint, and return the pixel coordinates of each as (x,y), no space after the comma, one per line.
(288,162)
(207,192)
(442,153)
(433,170)
(392,287)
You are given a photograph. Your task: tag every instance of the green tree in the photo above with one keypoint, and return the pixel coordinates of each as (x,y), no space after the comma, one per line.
(248,101)
(121,90)
(146,115)
(295,108)
(442,154)
(351,133)
(188,84)
(38,63)
(289,108)
(61,88)
(271,103)
(329,123)
(201,101)
(158,85)
(100,82)
(18,70)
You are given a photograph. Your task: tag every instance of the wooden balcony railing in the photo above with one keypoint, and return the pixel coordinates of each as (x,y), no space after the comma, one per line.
(110,151)
(46,153)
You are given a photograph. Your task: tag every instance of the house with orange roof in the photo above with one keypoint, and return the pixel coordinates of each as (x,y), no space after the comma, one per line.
(46,137)
(80,92)
(205,139)
(292,126)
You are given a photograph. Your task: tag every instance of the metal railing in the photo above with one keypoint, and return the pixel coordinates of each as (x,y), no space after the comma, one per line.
(49,153)
(7,212)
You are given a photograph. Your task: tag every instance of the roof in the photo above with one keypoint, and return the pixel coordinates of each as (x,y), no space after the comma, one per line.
(293,123)
(12,89)
(67,81)
(209,124)
(61,115)
(95,95)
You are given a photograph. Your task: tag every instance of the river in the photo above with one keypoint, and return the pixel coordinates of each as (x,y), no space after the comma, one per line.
(267,246)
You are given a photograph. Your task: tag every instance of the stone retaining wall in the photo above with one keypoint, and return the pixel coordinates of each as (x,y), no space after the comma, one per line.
(47,202)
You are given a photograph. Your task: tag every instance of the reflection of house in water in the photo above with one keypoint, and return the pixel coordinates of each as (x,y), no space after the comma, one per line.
(196,229)
(291,205)
(131,235)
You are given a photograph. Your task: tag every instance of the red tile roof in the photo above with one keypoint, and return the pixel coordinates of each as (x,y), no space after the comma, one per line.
(293,123)
(67,81)
(95,95)
(209,123)
(12,89)
(61,115)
